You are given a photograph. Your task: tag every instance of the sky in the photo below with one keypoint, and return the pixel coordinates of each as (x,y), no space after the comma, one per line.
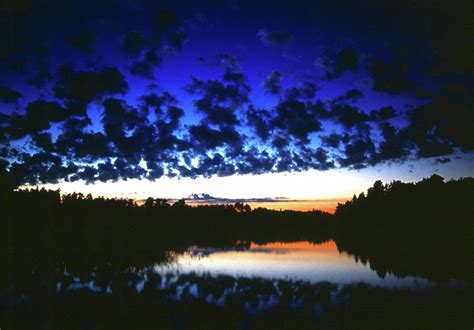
(269,102)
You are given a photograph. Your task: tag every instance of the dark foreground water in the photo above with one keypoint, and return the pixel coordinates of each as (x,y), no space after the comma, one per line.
(244,286)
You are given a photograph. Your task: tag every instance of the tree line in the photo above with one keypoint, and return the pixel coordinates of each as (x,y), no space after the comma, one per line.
(424,228)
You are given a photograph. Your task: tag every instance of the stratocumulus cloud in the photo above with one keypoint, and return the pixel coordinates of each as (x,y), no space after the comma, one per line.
(109,110)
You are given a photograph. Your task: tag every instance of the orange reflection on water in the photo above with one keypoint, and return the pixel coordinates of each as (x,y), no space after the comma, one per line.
(297,261)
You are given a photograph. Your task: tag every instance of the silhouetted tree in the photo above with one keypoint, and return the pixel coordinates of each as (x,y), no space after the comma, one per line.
(407,228)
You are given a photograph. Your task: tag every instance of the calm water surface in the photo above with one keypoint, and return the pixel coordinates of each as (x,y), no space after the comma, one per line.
(294,261)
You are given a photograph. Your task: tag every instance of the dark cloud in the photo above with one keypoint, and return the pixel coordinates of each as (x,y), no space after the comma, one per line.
(439,126)
(125,127)
(259,120)
(86,173)
(207,138)
(74,126)
(93,146)
(336,64)
(383,114)
(323,160)
(219,101)
(305,90)
(107,172)
(210,165)
(40,114)
(8,95)
(83,40)
(146,50)
(214,91)
(40,71)
(130,135)
(284,163)
(157,102)
(79,88)
(40,167)
(128,170)
(18,65)
(280,142)
(167,126)
(155,171)
(392,78)
(347,115)
(234,76)
(272,82)
(275,38)
(297,118)
(228,61)
(393,146)
(133,44)
(302,159)
(166,20)
(44,141)
(433,146)
(351,95)
(334,140)
(359,150)
(176,41)
(255,162)
(145,66)
(71,135)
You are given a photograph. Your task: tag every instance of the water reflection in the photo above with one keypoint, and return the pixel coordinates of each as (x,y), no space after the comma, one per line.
(295,261)
(234,283)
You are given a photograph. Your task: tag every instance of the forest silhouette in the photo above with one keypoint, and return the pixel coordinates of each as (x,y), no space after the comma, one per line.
(422,228)
(43,227)
(106,247)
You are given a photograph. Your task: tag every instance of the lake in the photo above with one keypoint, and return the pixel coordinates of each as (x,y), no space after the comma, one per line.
(242,285)
(291,261)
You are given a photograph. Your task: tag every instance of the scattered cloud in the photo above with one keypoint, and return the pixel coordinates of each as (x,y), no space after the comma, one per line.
(274,38)
(82,107)
(8,95)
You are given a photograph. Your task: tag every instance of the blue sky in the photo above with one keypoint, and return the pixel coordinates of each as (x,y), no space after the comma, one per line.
(185,94)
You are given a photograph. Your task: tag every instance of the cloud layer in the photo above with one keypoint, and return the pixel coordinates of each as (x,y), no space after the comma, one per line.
(85,120)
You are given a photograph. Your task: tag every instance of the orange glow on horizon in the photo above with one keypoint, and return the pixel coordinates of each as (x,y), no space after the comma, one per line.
(325,205)
(304,245)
